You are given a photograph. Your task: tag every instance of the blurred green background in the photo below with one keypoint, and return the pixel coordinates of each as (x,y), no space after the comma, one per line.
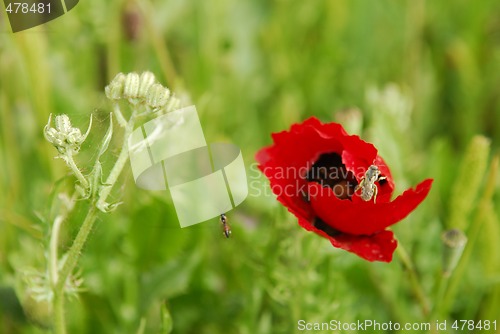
(417,78)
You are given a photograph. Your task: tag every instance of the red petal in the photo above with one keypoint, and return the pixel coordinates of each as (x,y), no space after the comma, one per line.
(364,218)
(358,155)
(385,191)
(303,144)
(377,247)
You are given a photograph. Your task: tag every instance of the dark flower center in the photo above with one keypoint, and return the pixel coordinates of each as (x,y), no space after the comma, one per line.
(329,171)
(321,225)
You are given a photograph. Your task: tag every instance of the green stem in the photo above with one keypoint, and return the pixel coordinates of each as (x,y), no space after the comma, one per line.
(69,264)
(120,162)
(77,246)
(142,326)
(58,311)
(119,116)
(415,284)
(71,163)
(440,294)
(394,310)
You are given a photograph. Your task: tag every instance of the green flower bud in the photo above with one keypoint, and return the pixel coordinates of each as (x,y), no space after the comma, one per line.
(63,123)
(114,91)
(157,96)
(147,79)
(65,138)
(131,89)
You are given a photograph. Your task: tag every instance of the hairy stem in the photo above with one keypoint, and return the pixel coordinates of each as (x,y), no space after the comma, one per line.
(120,162)
(85,229)
(69,265)
(71,163)
(75,249)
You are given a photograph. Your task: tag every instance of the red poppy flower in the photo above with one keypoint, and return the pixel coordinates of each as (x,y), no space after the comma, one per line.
(316,171)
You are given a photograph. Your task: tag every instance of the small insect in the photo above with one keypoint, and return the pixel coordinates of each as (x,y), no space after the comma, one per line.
(367,185)
(226,229)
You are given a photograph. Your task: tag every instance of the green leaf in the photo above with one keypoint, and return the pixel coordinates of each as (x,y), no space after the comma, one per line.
(107,138)
(166,320)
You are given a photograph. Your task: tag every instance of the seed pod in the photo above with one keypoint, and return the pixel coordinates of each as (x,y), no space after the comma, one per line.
(454,242)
